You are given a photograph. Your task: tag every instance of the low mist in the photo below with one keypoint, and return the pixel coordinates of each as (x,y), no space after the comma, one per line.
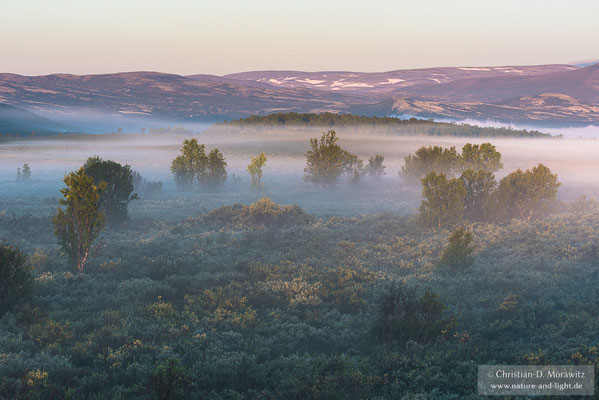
(151,155)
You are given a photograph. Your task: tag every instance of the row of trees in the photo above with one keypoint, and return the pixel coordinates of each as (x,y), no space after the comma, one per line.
(476,196)
(483,157)
(326,162)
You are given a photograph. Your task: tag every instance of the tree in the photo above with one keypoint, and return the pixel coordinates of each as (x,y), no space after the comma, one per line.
(16,279)
(119,187)
(216,173)
(481,157)
(326,161)
(442,200)
(26,174)
(480,194)
(523,194)
(190,165)
(354,168)
(457,256)
(80,223)
(255,170)
(430,159)
(375,167)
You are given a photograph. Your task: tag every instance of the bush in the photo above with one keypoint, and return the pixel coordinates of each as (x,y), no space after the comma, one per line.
(16,279)
(458,254)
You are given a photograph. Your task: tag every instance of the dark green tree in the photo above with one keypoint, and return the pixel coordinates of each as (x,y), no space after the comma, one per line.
(458,255)
(190,165)
(375,167)
(80,223)
(442,202)
(119,187)
(430,159)
(480,200)
(481,157)
(16,278)
(524,194)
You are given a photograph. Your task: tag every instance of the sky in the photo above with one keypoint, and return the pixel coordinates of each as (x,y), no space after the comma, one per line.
(226,36)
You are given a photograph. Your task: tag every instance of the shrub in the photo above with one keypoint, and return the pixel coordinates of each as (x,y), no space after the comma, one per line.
(458,255)
(16,278)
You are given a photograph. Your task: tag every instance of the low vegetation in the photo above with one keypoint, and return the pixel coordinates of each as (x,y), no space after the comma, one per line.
(265,300)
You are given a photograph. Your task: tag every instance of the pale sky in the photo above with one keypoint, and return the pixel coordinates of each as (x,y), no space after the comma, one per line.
(226,36)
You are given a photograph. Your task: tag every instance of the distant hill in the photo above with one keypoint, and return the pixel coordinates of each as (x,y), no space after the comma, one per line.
(386,125)
(540,95)
(388,82)
(17,121)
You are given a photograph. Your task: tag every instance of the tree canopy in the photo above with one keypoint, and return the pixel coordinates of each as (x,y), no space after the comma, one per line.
(118,178)
(524,194)
(442,200)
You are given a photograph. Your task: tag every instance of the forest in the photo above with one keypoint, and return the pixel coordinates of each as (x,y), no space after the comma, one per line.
(115,288)
(388,125)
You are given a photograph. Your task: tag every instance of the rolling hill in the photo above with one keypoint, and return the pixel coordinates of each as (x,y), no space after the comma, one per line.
(541,95)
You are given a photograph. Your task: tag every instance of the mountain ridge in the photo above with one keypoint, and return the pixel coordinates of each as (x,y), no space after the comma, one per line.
(505,94)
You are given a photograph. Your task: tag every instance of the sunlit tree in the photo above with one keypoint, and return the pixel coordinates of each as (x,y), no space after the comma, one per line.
(190,165)
(524,194)
(80,223)
(255,169)
(430,159)
(481,157)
